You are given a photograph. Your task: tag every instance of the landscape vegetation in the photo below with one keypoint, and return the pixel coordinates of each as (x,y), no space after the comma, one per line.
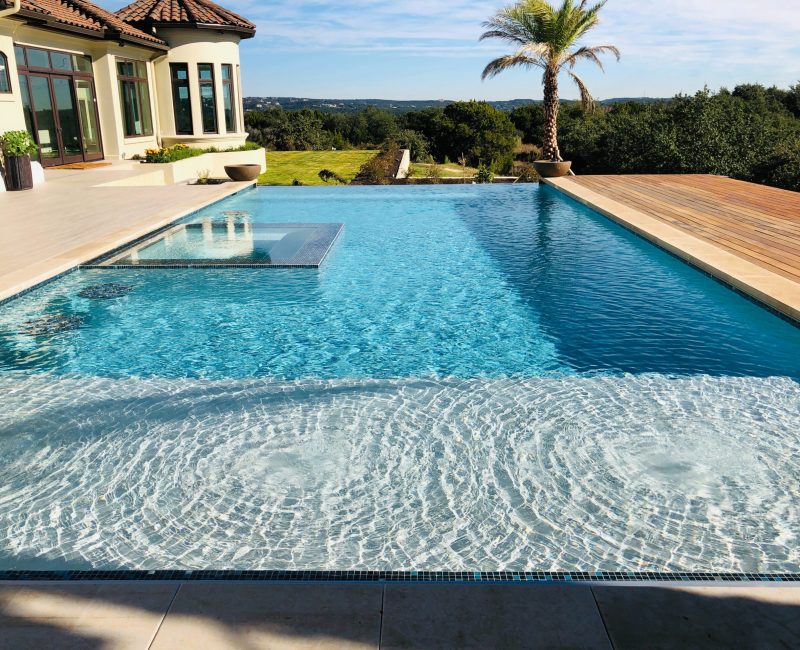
(750,133)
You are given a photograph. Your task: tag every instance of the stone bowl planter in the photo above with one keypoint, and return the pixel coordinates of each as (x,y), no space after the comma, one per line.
(243,173)
(552,169)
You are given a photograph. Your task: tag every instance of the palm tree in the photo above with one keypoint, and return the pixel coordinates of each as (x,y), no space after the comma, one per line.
(547,37)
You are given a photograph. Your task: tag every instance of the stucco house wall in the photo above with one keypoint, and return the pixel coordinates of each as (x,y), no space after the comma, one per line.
(194,46)
(184,44)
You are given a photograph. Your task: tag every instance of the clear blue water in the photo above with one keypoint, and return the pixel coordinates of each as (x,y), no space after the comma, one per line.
(451,281)
(476,378)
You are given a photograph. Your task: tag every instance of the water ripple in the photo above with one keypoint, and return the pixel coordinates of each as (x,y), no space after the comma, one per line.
(618,473)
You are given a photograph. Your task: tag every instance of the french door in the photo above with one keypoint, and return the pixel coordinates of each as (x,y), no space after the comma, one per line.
(60,108)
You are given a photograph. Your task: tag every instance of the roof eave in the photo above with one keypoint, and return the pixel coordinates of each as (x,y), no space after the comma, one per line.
(45,21)
(244,32)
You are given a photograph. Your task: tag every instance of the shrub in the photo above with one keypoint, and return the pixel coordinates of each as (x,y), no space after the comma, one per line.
(328,175)
(17,143)
(782,166)
(379,170)
(484,174)
(525,172)
(181,152)
(435,174)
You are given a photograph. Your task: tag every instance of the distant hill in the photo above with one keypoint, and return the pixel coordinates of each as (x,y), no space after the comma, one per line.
(395,106)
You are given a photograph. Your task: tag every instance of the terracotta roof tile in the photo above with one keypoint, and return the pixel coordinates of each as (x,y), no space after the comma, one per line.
(184,12)
(85,15)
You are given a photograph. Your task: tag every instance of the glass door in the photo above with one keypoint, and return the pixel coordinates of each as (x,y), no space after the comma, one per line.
(69,128)
(90,128)
(60,104)
(44,119)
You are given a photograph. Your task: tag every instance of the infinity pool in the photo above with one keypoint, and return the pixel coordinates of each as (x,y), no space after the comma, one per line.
(476,378)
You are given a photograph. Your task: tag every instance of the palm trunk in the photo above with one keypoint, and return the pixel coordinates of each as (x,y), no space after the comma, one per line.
(551,105)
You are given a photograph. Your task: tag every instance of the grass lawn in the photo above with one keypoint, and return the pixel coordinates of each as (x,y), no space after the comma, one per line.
(423,170)
(284,166)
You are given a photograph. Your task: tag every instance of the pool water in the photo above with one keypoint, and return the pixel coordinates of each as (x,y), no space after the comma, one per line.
(476,378)
(230,241)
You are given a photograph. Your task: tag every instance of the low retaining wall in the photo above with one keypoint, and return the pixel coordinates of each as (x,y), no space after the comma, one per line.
(189,168)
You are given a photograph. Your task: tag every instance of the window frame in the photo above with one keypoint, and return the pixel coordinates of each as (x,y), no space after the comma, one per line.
(176,83)
(138,82)
(229,83)
(7,75)
(213,83)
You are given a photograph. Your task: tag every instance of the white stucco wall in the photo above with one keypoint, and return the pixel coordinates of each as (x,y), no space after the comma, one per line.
(188,45)
(194,46)
(11,116)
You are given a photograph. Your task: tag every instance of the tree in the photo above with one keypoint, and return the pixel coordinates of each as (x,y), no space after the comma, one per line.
(481,133)
(412,140)
(529,121)
(547,38)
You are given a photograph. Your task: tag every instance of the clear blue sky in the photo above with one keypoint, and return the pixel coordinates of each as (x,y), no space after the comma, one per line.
(428,49)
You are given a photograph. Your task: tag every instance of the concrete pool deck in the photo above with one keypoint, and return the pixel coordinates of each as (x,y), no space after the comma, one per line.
(744,234)
(252,616)
(75,216)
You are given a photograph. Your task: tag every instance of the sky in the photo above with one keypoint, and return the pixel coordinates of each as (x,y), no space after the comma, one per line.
(429,49)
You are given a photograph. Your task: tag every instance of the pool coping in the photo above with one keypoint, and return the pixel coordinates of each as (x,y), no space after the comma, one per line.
(765,287)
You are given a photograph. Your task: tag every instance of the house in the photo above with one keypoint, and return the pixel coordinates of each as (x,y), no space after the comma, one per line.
(89,84)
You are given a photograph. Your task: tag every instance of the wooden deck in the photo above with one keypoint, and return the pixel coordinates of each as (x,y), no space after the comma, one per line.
(748,232)
(759,223)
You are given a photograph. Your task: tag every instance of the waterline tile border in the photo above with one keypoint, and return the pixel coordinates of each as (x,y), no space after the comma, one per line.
(759,284)
(541,577)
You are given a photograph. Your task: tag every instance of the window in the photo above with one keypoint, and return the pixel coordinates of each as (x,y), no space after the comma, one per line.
(134,96)
(208,97)
(61,61)
(181,100)
(38,58)
(228,98)
(5,78)
(27,107)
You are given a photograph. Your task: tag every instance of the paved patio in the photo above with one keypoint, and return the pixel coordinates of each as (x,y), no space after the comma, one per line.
(251,616)
(74,217)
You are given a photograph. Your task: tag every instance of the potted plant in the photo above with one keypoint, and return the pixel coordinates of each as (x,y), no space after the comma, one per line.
(17,148)
(547,37)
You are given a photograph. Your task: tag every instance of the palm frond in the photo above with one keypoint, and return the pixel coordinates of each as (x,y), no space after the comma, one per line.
(586,97)
(503,63)
(591,54)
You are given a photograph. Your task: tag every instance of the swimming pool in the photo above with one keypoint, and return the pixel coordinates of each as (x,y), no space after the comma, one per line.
(476,378)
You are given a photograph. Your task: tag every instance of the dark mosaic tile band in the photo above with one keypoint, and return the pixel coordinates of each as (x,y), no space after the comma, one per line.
(402,576)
